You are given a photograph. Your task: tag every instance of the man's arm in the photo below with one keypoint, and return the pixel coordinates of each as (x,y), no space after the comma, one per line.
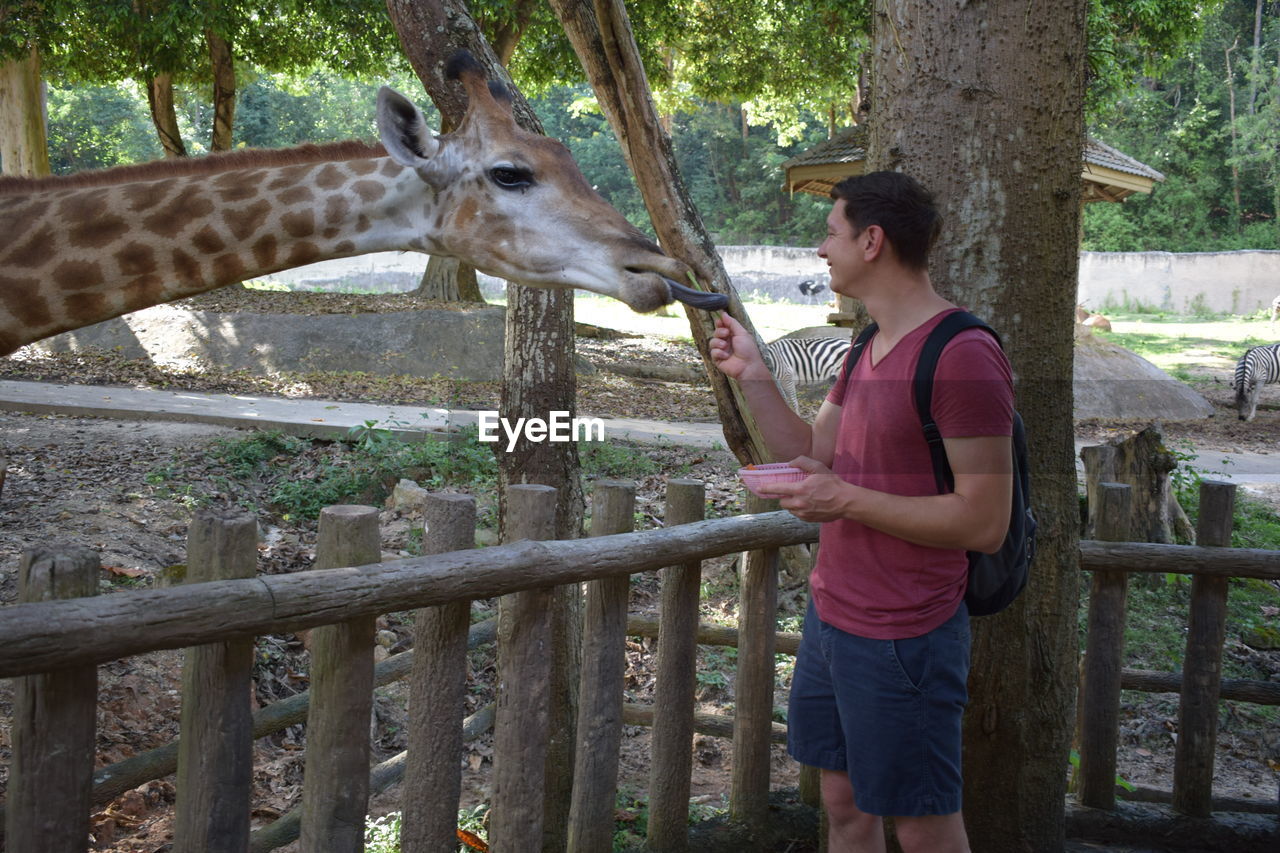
(975,516)
(734,352)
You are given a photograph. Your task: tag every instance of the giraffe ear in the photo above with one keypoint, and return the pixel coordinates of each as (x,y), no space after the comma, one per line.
(404,131)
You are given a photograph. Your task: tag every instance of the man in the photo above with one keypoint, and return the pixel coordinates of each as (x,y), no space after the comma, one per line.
(879,687)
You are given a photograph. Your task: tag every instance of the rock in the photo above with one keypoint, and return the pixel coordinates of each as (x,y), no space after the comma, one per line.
(407,496)
(1109,381)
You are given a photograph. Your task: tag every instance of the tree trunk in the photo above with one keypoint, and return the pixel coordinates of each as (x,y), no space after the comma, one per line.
(538,378)
(24,148)
(983,103)
(164,116)
(224,91)
(601,36)
(448,280)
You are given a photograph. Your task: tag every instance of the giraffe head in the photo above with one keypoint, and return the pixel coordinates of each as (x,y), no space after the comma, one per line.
(514,204)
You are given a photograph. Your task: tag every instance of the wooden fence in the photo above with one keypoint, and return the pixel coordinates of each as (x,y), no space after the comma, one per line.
(1200,685)
(56,637)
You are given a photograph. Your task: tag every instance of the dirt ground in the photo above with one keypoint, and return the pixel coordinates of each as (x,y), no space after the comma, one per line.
(127,490)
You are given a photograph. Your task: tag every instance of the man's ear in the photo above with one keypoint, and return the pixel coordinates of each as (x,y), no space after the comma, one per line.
(872,241)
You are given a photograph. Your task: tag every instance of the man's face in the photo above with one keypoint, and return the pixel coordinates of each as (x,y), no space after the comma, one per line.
(841,250)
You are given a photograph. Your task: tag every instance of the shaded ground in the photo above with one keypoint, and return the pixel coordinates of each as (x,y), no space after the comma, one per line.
(127,489)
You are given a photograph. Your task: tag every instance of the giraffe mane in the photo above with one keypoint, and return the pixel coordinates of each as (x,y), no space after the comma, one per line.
(245,158)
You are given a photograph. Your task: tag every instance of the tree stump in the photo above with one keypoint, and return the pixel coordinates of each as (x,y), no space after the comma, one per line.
(1142,462)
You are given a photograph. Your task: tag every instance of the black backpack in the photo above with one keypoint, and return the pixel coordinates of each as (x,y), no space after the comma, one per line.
(995,580)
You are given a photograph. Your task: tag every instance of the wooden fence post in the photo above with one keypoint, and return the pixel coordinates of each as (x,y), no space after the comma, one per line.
(524,676)
(215,751)
(437,690)
(672,756)
(753,690)
(335,782)
(1104,658)
(1202,663)
(54,719)
(604,664)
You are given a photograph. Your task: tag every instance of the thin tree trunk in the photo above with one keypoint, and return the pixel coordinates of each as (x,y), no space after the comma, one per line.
(1231,125)
(224,91)
(24,148)
(164,116)
(448,280)
(1256,57)
(601,36)
(949,81)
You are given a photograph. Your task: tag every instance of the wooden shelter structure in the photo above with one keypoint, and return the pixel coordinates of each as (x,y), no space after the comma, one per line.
(1106,175)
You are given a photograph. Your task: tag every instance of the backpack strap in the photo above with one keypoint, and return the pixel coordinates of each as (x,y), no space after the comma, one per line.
(950,326)
(856,348)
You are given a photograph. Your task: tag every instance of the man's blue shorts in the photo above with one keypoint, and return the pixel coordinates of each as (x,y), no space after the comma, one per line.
(888,712)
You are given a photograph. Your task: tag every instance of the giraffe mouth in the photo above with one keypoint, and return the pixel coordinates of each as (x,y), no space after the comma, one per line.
(697,298)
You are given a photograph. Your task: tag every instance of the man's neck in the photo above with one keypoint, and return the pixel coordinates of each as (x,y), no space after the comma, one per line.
(904,303)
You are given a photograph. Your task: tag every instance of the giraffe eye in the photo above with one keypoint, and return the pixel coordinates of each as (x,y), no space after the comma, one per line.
(511,177)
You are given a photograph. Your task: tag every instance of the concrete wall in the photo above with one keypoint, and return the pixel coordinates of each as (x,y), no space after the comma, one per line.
(1188,282)
(1231,282)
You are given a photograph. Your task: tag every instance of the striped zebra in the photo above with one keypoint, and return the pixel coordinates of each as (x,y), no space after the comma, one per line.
(1257,367)
(803,361)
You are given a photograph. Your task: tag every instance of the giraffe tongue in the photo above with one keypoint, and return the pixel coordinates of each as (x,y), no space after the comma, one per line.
(697,298)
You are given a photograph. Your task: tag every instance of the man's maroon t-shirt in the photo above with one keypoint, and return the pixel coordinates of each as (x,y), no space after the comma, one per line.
(867,582)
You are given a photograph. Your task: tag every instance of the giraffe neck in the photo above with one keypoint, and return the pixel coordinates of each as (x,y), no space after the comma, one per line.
(74,256)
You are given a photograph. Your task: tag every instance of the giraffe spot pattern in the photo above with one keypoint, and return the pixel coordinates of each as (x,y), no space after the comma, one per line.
(18,217)
(300,224)
(88,221)
(144,196)
(303,253)
(264,251)
(465,212)
(99,233)
(390,168)
(242,190)
(329,177)
(295,195)
(21,296)
(362,167)
(289,176)
(84,308)
(363,224)
(34,252)
(188,206)
(136,259)
(187,267)
(143,292)
(369,191)
(244,222)
(345,247)
(207,241)
(77,275)
(228,268)
(336,209)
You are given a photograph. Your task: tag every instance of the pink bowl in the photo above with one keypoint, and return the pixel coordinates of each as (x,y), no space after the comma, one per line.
(759,477)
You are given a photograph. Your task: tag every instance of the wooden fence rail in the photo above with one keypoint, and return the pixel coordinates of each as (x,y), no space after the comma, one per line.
(220,617)
(1200,687)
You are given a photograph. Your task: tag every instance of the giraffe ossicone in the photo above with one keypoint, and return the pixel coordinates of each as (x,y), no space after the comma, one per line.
(88,247)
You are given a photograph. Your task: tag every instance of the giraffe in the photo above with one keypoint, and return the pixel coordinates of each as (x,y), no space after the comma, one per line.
(85,248)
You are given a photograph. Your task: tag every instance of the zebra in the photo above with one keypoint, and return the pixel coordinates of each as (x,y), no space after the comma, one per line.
(1257,367)
(799,361)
